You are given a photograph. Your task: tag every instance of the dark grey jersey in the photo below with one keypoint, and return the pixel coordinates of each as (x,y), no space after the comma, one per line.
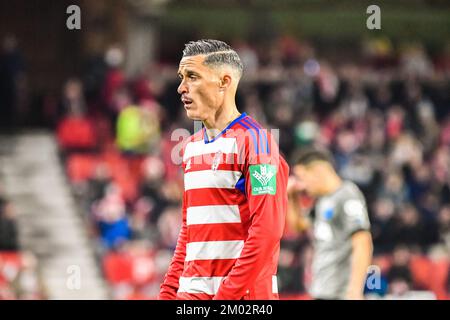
(338,216)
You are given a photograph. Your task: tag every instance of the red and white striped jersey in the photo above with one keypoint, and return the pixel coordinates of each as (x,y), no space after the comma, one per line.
(234,209)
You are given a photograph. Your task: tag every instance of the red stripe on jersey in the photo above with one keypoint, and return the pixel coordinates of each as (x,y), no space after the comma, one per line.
(208,268)
(215,232)
(213,196)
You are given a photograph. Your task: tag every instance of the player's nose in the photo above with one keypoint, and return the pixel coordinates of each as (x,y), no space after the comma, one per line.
(182,88)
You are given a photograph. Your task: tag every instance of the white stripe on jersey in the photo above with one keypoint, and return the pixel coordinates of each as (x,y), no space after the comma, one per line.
(211,179)
(210,250)
(208,285)
(274,284)
(197,148)
(213,214)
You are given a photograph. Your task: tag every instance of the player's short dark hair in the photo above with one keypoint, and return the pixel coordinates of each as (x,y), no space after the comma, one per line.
(309,155)
(217,53)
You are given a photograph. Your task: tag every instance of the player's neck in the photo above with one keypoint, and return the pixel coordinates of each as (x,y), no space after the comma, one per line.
(333,183)
(220,120)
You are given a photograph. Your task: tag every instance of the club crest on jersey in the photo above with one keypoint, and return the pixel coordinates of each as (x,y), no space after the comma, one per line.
(216,161)
(263,179)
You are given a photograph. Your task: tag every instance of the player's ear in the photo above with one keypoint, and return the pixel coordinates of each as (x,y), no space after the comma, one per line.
(225,82)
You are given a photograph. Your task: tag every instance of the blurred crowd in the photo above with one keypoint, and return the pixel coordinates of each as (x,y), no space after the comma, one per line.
(385,116)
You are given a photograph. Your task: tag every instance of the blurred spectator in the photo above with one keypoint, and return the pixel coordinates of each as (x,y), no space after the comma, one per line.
(140,228)
(27,283)
(99,182)
(291,266)
(150,188)
(110,215)
(379,52)
(414,61)
(137,130)
(383,225)
(248,57)
(306,132)
(19,277)
(8,227)
(394,188)
(11,70)
(355,104)
(444,226)
(114,79)
(345,148)
(395,122)
(406,150)
(169,226)
(359,170)
(73,98)
(412,230)
(399,275)
(75,131)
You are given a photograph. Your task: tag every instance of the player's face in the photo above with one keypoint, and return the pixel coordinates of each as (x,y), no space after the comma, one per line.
(310,177)
(199,88)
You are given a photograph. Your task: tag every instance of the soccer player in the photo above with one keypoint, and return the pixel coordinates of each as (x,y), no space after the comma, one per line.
(341,228)
(235,180)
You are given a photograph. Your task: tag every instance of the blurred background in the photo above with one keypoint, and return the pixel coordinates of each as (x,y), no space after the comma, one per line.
(89,197)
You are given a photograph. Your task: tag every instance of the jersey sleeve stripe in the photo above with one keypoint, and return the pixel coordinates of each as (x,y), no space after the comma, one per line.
(264,132)
(258,130)
(255,142)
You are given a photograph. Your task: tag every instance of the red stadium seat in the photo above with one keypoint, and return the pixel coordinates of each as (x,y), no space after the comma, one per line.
(123,267)
(117,268)
(439,277)
(9,260)
(76,133)
(384,262)
(80,167)
(12,258)
(422,270)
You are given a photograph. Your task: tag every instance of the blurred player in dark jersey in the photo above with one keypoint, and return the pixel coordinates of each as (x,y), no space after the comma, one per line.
(341,228)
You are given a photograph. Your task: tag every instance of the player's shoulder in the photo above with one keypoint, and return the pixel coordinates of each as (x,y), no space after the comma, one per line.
(350,186)
(248,123)
(250,132)
(350,190)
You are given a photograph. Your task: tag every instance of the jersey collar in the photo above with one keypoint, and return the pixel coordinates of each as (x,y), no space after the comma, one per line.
(205,136)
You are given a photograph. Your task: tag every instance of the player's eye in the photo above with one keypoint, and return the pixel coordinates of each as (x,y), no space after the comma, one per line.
(192,77)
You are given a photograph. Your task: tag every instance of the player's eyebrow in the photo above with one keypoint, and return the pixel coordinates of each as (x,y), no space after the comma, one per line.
(188,73)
